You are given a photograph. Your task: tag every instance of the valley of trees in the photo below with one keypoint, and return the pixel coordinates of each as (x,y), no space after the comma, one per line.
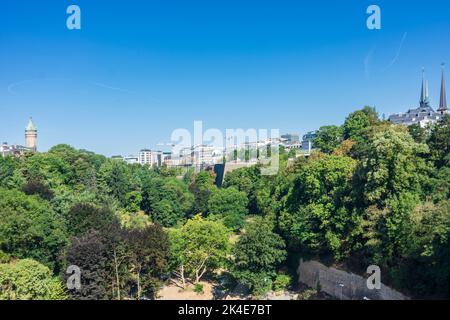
(373,193)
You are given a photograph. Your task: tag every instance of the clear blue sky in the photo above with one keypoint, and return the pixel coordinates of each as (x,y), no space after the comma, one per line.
(139,69)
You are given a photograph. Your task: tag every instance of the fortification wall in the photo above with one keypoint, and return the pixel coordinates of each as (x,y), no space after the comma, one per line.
(341,284)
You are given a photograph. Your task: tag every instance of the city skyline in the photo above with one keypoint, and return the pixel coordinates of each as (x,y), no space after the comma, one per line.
(117,87)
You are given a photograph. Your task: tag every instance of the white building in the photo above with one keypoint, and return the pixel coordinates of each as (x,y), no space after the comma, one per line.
(151,158)
(131,159)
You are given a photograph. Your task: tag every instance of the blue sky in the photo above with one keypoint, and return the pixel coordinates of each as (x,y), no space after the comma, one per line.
(140,69)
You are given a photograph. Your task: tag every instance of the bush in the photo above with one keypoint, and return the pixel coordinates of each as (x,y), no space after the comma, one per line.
(198,288)
(309,294)
(282,282)
(260,288)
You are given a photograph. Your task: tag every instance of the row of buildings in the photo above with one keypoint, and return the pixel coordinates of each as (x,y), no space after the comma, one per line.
(201,156)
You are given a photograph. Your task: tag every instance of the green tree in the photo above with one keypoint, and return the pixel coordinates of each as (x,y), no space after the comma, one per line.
(83,217)
(201,187)
(439,143)
(133,201)
(166,200)
(317,213)
(201,246)
(229,204)
(8,168)
(115,179)
(256,256)
(148,253)
(247,180)
(391,164)
(418,133)
(30,229)
(29,280)
(328,138)
(92,253)
(357,123)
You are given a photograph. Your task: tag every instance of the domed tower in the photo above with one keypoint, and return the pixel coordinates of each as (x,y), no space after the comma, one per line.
(31,136)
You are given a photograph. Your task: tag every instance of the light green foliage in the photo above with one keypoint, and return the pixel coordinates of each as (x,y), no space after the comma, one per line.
(29,280)
(390,165)
(137,220)
(133,201)
(282,282)
(357,123)
(317,215)
(200,246)
(198,288)
(30,228)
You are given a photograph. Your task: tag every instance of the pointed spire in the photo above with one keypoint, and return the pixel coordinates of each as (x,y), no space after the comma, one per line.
(31,126)
(443,101)
(424,99)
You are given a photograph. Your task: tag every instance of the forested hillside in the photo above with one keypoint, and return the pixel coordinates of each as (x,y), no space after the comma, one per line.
(374,193)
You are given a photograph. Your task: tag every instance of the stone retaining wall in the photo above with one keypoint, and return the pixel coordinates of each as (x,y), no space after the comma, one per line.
(341,284)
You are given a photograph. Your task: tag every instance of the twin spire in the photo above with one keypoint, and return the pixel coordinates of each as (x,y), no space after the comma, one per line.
(443,100)
(424,96)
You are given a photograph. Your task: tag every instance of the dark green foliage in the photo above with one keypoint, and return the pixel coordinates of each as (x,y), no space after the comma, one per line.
(418,133)
(8,166)
(230,205)
(439,143)
(377,193)
(38,188)
(84,217)
(91,254)
(328,138)
(167,201)
(147,259)
(256,256)
(201,187)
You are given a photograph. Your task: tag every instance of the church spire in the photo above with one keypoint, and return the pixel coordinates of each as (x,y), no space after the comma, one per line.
(443,101)
(424,99)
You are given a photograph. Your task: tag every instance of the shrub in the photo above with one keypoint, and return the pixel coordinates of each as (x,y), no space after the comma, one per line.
(282,282)
(198,288)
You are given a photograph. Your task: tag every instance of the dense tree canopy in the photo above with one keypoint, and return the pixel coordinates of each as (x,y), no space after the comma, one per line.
(371,193)
(30,229)
(230,205)
(200,246)
(29,280)
(328,138)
